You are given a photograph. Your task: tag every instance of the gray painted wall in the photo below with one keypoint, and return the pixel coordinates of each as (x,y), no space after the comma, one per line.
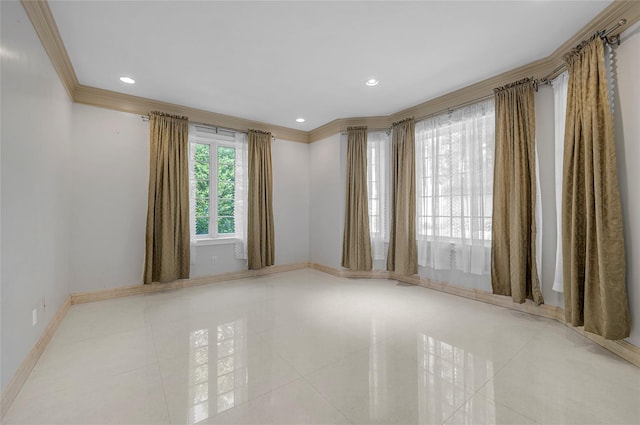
(36,188)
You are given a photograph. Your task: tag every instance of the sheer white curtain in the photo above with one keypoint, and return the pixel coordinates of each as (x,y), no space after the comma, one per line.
(241,193)
(454,182)
(378,191)
(560,86)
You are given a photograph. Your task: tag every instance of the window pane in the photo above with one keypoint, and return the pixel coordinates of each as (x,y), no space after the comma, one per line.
(202,189)
(374,207)
(202,152)
(225,190)
(373,224)
(444,206)
(373,190)
(226,155)
(202,226)
(201,170)
(202,207)
(225,207)
(487,229)
(422,225)
(443,226)
(227,172)
(226,225)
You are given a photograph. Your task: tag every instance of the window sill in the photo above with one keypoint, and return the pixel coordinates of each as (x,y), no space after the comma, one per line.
(215,241)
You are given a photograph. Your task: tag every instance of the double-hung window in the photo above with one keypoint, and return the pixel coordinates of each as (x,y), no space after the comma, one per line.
(217,196)
(454,187)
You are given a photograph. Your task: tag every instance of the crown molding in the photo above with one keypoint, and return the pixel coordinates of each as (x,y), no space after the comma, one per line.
(629,10)
(341,125)
(46,28)
(141,105)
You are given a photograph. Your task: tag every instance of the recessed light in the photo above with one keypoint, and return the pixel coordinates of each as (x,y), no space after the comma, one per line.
(127,80)
(300,120)
(371,82)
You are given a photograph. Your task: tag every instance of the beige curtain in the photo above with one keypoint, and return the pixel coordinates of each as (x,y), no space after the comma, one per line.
(513,253)
(260,229)
(593,244)
(356,243)
(402,256)
(167,240)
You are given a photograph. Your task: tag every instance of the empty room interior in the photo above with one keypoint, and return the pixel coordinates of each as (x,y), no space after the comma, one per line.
(292,212)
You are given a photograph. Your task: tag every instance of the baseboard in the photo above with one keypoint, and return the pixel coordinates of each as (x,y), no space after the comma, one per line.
(19,378)
(12,389)
(621,348)
(125,291)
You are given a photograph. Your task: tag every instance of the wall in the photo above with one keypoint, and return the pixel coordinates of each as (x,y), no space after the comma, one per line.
(327,202)
(111,175)
(110,184)
(291,198)
(627,128)
(36,188)
(290,164)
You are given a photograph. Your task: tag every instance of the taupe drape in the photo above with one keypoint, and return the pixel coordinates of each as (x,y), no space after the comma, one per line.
(593,244)
(513,254)
(167,240)
(260,229)
(356,243)
(402,256)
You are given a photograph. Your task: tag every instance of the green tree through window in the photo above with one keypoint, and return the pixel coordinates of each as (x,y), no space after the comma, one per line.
(214,177)
(226,188)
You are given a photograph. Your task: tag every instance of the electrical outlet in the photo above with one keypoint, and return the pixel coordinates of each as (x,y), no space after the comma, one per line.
(34,317)
(44,304)
(214,260)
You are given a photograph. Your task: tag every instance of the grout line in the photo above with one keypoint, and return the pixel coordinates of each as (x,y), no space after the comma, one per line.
(155,351)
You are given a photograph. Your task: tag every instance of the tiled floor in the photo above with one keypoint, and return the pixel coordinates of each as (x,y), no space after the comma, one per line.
(305,347)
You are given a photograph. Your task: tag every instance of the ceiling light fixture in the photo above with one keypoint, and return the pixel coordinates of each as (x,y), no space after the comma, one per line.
(300,119)
(127,80)
(371,82)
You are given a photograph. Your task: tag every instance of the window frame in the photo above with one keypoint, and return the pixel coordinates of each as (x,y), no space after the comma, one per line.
(215,141)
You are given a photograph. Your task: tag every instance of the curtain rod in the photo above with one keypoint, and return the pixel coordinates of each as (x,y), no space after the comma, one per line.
(613,40)
(433,114)
(453,108)
(145,118)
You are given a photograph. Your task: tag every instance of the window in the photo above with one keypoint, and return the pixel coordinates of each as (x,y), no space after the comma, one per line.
(216,195)
(377,191)
(454,182)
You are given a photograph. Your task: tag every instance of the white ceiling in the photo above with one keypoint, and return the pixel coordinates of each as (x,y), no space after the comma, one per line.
(276,61)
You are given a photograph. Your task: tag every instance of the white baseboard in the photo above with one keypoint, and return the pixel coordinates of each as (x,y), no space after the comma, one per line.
(622,348)
(10,392)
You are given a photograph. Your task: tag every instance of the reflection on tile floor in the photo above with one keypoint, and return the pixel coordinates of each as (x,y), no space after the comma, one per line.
(305,347)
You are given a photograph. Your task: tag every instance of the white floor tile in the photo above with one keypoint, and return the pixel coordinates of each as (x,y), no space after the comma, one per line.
(305,347)
(135,397)
(382,386)
(295,404)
